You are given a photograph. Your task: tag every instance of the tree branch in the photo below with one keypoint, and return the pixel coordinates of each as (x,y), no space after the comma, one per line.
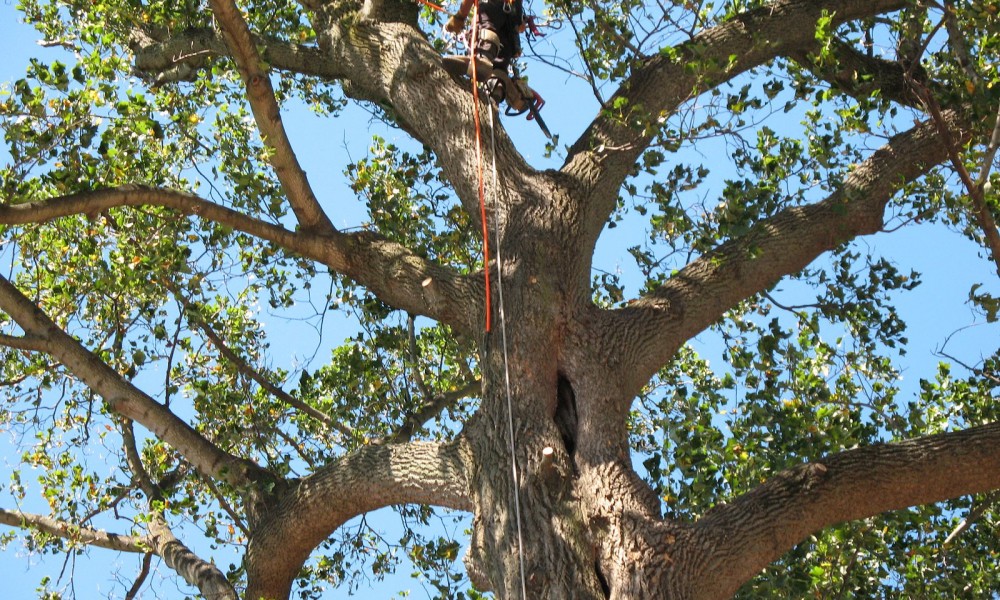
(76,533)
(859,75)
(133,591)
(265,110)
(755,529)
(975,513)
(248,371)
(121,396)
(981,212)
(204,575)
(701,292)
(606,153)
(177,56)
(372,477)
(432,406)
(398,276)
(25,342)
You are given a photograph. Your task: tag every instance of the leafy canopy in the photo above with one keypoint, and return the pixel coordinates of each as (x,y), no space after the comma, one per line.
(275,358)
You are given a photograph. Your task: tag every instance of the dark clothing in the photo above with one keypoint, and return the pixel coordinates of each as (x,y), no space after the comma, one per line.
(504,18)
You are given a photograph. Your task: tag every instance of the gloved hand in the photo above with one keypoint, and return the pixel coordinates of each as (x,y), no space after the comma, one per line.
(455,24)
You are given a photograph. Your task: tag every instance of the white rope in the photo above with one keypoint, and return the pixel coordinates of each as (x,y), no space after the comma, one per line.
(506,367)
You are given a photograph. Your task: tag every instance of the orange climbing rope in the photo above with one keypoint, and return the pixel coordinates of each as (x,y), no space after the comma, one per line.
(479,154)
(486,271)
(479,164)
(432,5)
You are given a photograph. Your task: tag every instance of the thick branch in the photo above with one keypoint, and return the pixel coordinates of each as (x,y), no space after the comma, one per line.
(755,529)
(204,575)
(607,151)
(367,479)
(268,117)
(392,64)
(177,56)
(121,396)
(398,276)
(701,292)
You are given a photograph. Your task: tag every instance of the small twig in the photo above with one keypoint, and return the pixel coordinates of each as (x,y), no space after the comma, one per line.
(245,369)
(975,513)
(956,40)
(295,445)
(592,78)
(418,377)
(603,24)
(991,152)
(170,362)
(227,507)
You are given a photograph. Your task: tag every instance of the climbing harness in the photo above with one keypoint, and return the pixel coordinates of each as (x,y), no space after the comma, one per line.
(484,46)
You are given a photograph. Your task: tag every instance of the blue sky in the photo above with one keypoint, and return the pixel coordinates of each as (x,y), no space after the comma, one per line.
(949,263)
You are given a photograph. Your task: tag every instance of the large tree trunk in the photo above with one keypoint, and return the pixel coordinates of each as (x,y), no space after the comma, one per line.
(589,527)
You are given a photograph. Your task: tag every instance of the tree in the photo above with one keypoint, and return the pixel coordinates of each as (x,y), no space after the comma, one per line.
(153,200)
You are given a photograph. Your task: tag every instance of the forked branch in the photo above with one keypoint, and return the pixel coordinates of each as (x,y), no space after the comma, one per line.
(701,292)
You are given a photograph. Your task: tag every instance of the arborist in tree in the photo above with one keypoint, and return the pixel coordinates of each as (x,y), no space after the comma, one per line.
(500,25)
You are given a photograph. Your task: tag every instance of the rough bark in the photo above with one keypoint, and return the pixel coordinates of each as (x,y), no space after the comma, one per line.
(310,509)
(758,527)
